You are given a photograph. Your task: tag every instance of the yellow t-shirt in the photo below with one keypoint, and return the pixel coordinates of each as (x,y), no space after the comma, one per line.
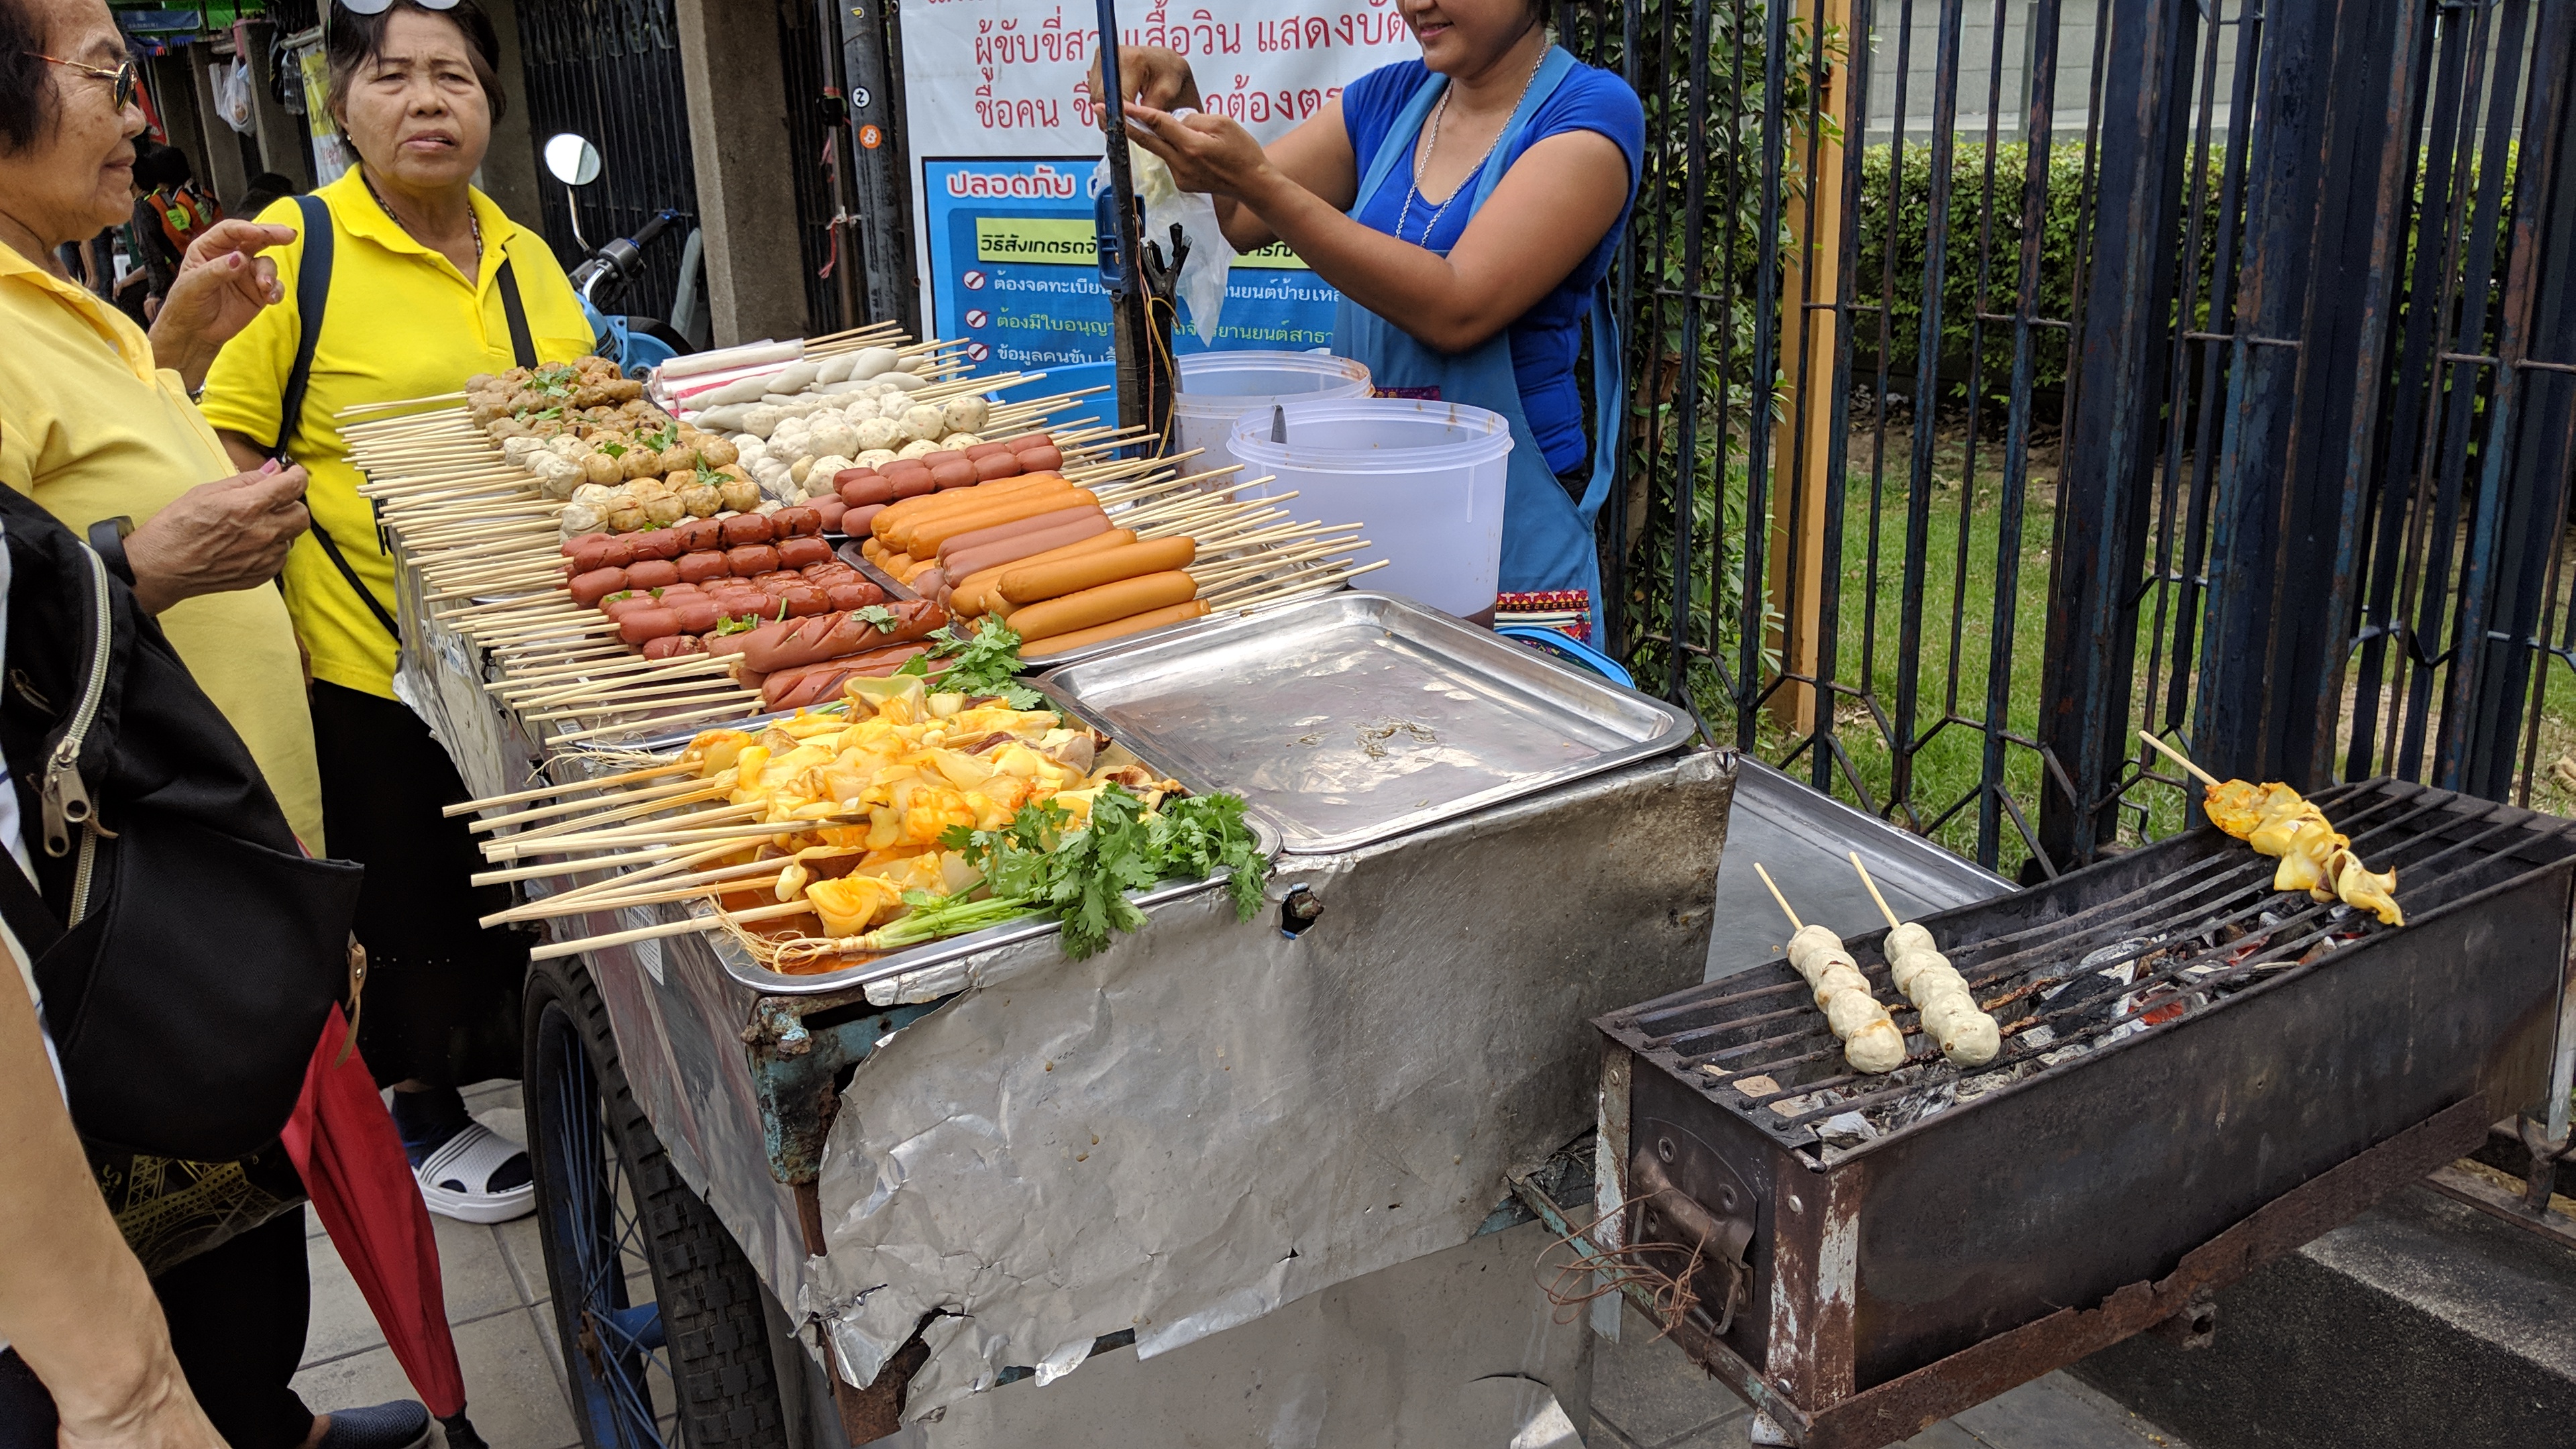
(402,323)
(90,429)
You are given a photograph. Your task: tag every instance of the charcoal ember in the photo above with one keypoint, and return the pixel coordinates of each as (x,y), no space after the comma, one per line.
(1971,1088)
(2065,1053)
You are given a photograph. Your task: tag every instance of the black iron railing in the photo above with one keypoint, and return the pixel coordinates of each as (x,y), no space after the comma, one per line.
(2010,375)
(610,70)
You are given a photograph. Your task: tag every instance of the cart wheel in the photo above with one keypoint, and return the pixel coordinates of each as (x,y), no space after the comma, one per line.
(690,1363)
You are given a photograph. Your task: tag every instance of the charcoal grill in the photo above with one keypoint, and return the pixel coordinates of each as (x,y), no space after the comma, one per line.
(2198,1075)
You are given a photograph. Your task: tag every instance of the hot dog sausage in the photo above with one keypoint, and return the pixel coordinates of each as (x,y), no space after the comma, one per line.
(618,606)
(752,559)
(981,451)
(997,465)
(921,534)
(1115,629)
(1104,604)
(906,511)
(698,534)
(833,510)
(1039,439)
(797,553)
(773,647)
(658,543)
(596,584)
(652,573)
(859,487)
(672,646)
(1033,583)
(746,528)
(696,616)
(956,473)
(646,625)
(822,683)
(804,601)
(697,568)
(973,539)
(853,596)
(973,592)
(579,541)
(913,485)
(1040,460)
(797,521)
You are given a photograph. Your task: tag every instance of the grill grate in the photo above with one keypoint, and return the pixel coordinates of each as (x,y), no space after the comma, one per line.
(2070,969)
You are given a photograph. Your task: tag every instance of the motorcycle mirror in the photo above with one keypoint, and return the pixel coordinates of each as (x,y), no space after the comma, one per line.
(572,159)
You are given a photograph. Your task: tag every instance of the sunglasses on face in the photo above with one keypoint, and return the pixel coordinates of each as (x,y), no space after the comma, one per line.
(125,77)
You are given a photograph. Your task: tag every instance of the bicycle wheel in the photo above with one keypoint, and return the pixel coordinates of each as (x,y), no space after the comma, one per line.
(690,1362)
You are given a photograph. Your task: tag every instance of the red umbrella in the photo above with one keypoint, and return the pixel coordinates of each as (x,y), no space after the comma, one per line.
(352,1161)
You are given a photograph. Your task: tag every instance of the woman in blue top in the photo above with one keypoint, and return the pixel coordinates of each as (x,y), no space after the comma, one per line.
(1466,205)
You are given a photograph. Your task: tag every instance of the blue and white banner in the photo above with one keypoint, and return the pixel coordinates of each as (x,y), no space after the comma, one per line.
(1005,135)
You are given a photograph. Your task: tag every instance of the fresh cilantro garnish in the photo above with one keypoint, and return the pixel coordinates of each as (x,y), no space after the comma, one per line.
(879,617)
(738,624)
(982,663)
(1082,877)
(614,450)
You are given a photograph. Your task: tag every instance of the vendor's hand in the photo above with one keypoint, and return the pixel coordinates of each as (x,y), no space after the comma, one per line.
(1206,152)
(1159,78)
(218,537)
(222,283)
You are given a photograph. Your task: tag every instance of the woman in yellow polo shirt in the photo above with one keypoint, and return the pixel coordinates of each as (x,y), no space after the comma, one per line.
(429,284)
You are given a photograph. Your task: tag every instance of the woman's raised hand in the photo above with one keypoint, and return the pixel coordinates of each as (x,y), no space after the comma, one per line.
(1206,152)
(222,283)
(1159,78)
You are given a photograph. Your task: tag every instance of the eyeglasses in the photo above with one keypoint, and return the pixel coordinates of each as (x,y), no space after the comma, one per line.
(379,7)
(125,77)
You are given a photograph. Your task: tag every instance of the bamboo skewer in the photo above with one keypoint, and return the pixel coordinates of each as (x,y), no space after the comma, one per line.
(584,867)
(693,715)
(2179,758)
(630,706)
(1892,921)
(572,835)
(668,928)
(1794,923)
(546,812)
(747,831)
(655,772)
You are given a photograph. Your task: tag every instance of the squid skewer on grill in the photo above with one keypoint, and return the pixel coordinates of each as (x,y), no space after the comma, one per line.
(1951,1017)
(1871,1042)
(2280,822)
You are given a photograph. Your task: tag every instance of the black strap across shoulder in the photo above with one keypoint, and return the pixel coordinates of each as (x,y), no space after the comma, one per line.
(312,292)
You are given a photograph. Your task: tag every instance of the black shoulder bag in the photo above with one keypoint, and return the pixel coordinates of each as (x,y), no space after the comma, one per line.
(312,294)
(188,951)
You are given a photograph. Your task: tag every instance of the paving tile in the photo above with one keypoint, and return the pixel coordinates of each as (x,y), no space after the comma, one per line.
(1945,1435)
(526,1257)
(1605,1435)
(543,1315)
(341,1322)
(2056,1413)
(510,1388)
(478,1282)
(1652,1394)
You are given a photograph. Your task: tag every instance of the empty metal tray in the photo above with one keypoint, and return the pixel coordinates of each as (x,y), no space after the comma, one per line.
(1354,717)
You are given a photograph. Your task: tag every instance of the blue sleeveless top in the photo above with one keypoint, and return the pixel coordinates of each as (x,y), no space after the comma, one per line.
(1547,338)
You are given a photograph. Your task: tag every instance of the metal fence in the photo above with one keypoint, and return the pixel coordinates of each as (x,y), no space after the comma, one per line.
(610,70)
(2008,376)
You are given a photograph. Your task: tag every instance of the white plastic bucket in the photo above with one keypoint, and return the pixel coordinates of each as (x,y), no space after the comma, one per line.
(1218,387)
(1425,479)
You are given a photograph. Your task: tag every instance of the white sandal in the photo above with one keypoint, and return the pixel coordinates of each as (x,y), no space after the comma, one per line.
(470,1157)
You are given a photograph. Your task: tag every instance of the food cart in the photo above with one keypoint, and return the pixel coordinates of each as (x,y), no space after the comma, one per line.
(836,1206)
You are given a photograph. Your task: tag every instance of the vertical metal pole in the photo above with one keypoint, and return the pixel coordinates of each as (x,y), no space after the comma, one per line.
(1119,273)
(2108,473)
(837,161)
(880,164)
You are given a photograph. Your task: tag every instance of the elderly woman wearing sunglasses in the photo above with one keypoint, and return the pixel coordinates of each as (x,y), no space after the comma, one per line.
(96,426)
(428,284)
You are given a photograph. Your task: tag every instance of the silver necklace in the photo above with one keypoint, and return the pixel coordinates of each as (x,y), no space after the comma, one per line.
(1431,143)
(471,220)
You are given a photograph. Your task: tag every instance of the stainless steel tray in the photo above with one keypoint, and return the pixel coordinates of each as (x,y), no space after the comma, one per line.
(1356,717)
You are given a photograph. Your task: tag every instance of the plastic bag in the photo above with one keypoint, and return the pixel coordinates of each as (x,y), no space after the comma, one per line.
(1203,274)
(232,96)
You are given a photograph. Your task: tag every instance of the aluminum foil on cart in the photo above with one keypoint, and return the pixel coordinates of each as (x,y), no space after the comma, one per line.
(1210,1120)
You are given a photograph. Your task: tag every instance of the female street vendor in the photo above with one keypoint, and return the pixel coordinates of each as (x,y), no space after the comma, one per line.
(1466,206)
